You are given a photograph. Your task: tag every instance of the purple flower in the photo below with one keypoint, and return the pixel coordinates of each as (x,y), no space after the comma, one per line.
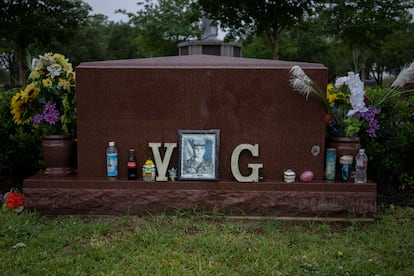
(50,114)
(37,119)
(49,106)
(370,117)
(52,117)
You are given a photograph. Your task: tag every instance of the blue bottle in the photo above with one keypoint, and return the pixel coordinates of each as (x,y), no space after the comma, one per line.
(330,164)
(112,161)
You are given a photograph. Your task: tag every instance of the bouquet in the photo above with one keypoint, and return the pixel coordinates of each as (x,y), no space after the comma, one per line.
(48,101)
(347,105)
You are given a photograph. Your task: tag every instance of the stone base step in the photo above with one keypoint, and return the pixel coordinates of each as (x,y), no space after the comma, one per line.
(99,196)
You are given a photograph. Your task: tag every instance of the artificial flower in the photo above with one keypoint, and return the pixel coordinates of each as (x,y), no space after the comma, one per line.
(14,200)
(48,100)
(346,101)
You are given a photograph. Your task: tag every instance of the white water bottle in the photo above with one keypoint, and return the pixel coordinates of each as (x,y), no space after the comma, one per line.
(361,167)
(112,161)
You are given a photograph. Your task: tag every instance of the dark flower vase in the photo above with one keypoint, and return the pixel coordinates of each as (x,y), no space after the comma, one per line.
(344,146)
(58,152)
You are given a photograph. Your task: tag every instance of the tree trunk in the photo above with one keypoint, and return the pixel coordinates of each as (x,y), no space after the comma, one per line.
(364,58)
(360,58)
(21,60)
(275,50)
(273,42)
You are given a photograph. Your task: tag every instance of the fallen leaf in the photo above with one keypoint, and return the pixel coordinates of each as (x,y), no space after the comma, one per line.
(18,245)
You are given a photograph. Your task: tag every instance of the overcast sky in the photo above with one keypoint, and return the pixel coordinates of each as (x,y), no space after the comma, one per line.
(108,7)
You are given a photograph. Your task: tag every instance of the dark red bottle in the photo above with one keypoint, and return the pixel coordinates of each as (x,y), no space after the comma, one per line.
(132,165)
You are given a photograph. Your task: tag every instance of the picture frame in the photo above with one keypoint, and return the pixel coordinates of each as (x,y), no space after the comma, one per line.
(198,154)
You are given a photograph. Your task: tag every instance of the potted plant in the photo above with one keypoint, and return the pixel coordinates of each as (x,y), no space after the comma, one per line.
(49,103)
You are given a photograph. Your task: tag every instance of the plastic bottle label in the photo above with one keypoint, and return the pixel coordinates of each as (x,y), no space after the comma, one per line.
(361,163)
(330,170)
(112,164)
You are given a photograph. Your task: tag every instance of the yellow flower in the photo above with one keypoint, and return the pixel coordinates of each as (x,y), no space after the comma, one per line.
(30,92)
(329,87)
(47,83)
(71,76)
(64,84)
(341,98)
(63,62)
(34,75)
(331,99)
(16,99)
(18,107)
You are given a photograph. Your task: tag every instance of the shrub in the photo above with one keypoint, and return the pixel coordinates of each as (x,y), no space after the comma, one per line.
(391,154)
(19,148)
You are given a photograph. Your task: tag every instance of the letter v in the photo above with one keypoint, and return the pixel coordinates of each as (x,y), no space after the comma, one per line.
(162,165)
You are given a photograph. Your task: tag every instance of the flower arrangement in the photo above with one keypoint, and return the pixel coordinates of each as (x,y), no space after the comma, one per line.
(48,100)
(347,105)
(14,200)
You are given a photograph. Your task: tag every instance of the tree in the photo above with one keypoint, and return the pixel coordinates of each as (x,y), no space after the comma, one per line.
(89,43)
(365,25)
(397,51)
(23,22)
(121,44)
(258,17)
(159,27)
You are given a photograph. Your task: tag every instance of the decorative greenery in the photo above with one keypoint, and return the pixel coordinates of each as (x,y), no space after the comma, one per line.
(194,243)
(48,100)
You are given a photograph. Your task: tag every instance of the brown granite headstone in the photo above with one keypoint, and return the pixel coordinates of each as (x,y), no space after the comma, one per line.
(134,102)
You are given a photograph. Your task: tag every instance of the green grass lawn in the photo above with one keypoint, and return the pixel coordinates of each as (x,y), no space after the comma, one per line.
(191,243)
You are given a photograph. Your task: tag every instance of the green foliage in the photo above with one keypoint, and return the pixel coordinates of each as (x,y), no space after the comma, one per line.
(121,43)
(391,154)
(192,245)
(352,126)
(267,18)
(26,22)
(160,26)
(256,47)
(365,25)
(89,43)
(395,52)
(19,148)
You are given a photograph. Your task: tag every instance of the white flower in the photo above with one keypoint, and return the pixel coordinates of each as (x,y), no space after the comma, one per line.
(35,62)
(54,70)
(357,94)
(46,59)
(405,75)
(341,81)
(297,72)
(301,82)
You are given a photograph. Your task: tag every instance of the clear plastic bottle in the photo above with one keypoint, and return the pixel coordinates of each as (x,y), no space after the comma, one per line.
(112,161)
(361,167)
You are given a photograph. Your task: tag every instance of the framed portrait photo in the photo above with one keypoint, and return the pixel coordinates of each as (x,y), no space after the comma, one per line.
(198,154)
